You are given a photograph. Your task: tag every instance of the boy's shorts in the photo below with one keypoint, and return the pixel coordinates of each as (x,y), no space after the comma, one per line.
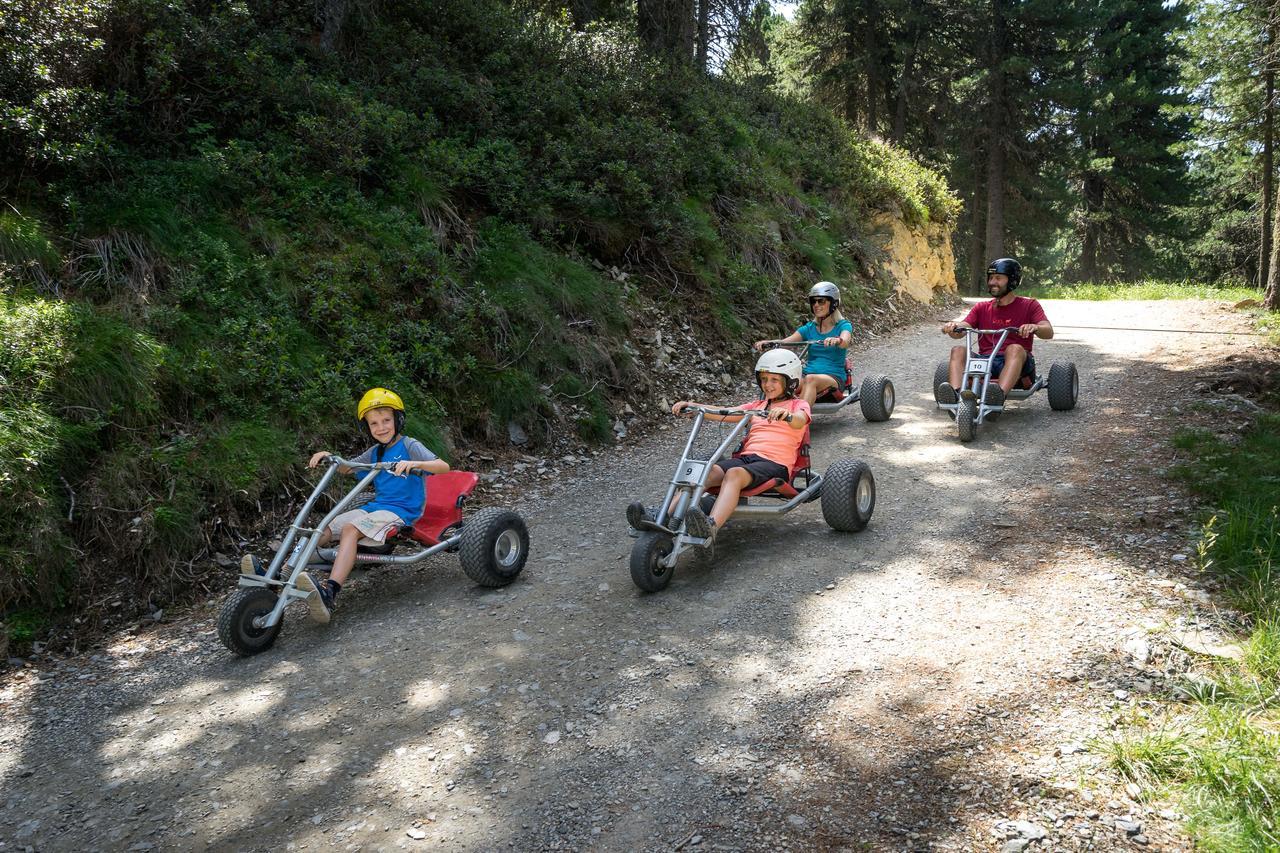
(761,470)
(373,526)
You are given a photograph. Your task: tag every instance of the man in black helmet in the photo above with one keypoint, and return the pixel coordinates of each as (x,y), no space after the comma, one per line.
(1013,362)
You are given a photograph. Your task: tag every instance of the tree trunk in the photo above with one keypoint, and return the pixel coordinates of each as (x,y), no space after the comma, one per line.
(1093,192)
(704,34)
(1268,164)
(904,85)
(871,59)
(997,131)
(333,17)
(977,259)
(583,12)
(666,28)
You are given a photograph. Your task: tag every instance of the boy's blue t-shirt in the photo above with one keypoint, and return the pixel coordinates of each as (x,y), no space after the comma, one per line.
(405,496)
(822,359)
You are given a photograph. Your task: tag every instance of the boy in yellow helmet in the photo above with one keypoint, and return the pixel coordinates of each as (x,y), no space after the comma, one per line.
(397,499)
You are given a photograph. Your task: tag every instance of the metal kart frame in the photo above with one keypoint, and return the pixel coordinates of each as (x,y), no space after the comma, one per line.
(689,483)
(302,542)
(977,376)
(846,393)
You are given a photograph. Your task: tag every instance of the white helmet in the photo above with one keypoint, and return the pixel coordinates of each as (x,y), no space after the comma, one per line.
(825,290)
(782,362)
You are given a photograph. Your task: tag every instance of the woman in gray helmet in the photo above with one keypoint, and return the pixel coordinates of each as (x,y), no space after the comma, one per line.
(831,334)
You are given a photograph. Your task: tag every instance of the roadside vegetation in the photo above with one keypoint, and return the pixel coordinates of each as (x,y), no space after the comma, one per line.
(219,225)
(1218,750)
(1151,289)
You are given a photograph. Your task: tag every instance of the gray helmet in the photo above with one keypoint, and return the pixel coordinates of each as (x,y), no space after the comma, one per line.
(826,290)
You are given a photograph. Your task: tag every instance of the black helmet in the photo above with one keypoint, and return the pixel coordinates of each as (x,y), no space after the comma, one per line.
(1009,267)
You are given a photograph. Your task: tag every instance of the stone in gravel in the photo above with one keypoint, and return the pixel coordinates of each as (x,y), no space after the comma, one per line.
(551,737)
(516,434)
(1131,827)
(1015,845)
(1029,830)
(415,833)
(1199,643)
(797,822)
(1138,649)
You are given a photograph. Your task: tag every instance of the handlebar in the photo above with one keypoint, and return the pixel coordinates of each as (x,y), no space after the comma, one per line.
(725,413)
(765,346)
(370,466)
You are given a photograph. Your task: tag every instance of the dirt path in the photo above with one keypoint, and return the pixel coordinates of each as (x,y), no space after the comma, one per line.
(928,683)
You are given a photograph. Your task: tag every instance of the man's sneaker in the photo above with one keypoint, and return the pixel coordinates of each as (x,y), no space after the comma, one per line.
(321,599)
(251,566)
(995,395)
(947,394)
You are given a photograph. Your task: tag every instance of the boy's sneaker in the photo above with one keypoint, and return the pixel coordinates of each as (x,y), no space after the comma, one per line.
(321,599)
(947,394)
(251,566)
(995,395)
(698,524)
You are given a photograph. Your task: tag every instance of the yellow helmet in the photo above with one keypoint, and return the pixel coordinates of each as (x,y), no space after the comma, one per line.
(380,398)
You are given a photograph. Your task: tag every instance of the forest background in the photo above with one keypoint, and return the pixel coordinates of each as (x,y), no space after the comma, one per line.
(220,221)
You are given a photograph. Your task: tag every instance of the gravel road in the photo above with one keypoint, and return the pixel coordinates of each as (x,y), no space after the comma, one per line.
(932,682)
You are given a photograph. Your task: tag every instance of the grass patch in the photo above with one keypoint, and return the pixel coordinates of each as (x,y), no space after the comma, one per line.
(1222,757)
(1141,290)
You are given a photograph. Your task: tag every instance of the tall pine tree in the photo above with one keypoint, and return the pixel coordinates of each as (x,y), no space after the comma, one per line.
(1129,113)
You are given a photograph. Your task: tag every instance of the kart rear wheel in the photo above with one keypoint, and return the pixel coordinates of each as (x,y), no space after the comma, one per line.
(967,419)
(1064,386)
(236,626)
(876,398)
(848,495)
(647,571)
(941,373)
(494,547)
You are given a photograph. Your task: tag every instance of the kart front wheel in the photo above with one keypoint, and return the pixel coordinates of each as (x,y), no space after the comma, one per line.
(876,398)
(494,547)
(848,495)
(941,373)
(647,571)
(1064,386)
(239,624)
(967,419)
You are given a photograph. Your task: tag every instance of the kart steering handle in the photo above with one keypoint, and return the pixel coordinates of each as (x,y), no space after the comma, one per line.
(765,346)
(371,466)
(724,413)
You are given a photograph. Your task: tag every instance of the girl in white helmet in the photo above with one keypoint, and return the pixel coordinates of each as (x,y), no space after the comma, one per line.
(771,446)
(831,335)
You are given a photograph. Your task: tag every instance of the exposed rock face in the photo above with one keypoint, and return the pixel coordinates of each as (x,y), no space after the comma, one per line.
(918,258)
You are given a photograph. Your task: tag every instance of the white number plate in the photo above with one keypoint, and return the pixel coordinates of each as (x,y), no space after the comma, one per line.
(978,365)
(691,473)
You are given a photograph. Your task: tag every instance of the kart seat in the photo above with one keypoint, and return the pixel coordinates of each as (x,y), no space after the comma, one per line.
(778,487)
(446,493)
(835,395)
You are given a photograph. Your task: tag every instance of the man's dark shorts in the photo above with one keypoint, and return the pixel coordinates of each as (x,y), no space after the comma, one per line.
(1028,368)
(761,470)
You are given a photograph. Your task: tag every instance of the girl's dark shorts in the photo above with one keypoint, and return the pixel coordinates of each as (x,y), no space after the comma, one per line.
(761,470)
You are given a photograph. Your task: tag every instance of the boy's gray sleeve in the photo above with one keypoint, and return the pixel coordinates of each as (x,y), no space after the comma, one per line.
(367,456)
(418,451)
